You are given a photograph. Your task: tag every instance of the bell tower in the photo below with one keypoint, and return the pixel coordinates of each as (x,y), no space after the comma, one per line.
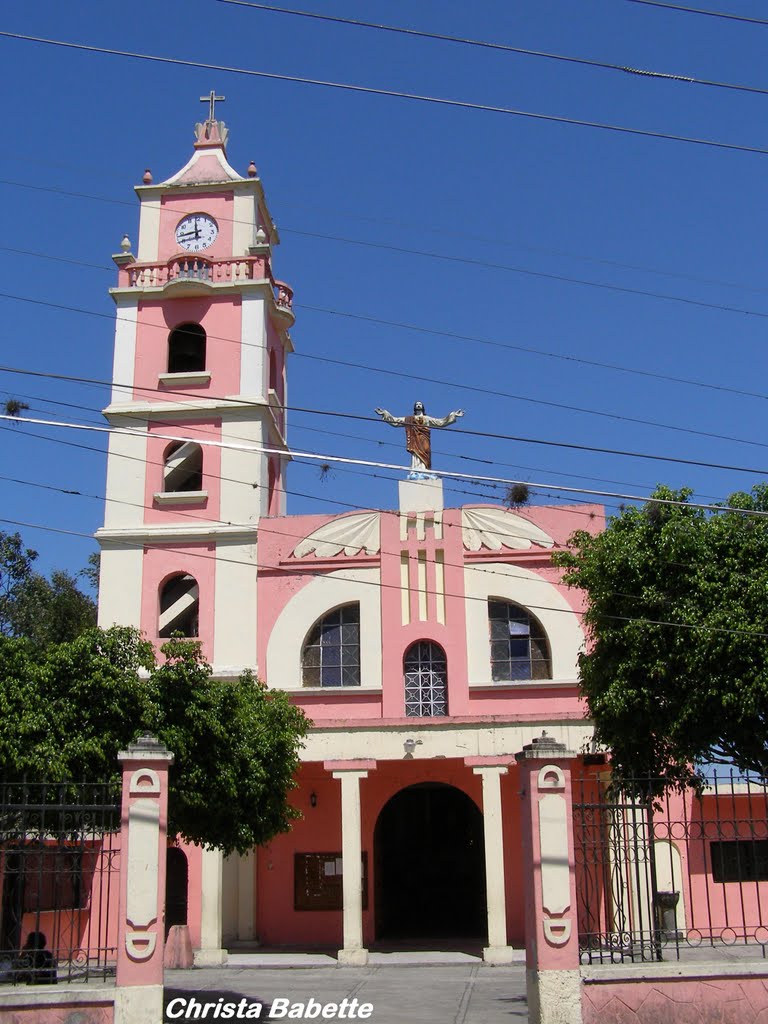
(199,391)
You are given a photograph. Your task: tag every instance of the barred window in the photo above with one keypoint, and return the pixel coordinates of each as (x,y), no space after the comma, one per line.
(426,680)
(519,647)
(331,653)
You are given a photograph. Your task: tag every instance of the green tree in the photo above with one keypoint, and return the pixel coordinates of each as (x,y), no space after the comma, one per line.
(68,709)
(45,611)
(676,672)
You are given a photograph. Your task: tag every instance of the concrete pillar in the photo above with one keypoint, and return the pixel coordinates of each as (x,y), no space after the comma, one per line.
(497,951)
(553,979)
(211,952)
(141,922)
(350,773)
(246,910)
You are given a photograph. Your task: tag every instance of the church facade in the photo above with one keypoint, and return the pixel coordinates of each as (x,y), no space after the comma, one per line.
(427,644)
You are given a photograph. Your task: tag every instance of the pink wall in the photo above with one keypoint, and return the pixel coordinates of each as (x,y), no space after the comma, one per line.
(714,999)
(279,537)
(219,316)
(92,1009)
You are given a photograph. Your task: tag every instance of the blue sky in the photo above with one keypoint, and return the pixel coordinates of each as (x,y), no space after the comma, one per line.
(554,199)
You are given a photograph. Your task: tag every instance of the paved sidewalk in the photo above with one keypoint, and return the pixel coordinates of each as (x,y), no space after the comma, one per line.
(459,993)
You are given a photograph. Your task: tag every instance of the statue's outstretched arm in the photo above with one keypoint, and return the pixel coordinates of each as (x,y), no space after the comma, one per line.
(395,421)
(434,421)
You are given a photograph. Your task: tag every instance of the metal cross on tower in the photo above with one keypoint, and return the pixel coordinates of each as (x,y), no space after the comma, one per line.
(212,99)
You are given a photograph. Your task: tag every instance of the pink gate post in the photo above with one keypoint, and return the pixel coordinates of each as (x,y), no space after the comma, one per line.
(553,979)
(141,924)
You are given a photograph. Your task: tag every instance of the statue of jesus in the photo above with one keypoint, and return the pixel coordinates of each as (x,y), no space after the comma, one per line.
(417,435)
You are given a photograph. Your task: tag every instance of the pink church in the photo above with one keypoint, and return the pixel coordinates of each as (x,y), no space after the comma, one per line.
(427,644)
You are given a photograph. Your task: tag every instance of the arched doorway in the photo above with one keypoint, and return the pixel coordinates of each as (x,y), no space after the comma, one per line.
(430,865)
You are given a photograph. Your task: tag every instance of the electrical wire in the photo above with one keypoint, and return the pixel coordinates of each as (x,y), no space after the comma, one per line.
(342,469)
(502,47)
(423,253)
(345,460)
(475,339)
(369,419)
(697,10)
(358,437)
(368,368)
(389,93)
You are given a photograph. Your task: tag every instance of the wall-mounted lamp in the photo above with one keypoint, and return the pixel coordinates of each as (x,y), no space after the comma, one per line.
(409,746)
(313,799)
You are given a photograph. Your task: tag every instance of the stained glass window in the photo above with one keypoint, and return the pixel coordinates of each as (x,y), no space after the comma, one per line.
(519,648)
(331,655)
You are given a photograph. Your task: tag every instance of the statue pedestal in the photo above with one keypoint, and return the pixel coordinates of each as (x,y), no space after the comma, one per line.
(421,495)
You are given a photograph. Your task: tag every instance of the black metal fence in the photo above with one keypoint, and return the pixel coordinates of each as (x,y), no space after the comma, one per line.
(681,875)
(59,879)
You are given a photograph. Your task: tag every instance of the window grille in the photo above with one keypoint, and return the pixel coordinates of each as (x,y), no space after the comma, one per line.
(426,680)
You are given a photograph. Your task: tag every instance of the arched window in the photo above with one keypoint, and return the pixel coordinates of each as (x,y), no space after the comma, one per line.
(186,349)
(179,606)
(519,647)
(426,680)
(183,467)
(331,652)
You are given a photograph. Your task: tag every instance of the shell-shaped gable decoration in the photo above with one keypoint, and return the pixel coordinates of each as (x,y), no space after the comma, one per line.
(350,534)
(495,528)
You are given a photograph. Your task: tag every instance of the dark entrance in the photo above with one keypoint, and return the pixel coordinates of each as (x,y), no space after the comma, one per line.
(176,887)
(430,865)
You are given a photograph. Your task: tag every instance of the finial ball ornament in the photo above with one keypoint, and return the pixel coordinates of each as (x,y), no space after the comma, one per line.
(125,244)
(252,170)
(147,179)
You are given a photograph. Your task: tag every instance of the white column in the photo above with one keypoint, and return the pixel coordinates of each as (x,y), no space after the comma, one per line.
(246,868)
(497,951)
(352,867)
(211,953)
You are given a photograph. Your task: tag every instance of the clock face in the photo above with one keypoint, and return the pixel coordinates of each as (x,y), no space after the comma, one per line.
(196,231)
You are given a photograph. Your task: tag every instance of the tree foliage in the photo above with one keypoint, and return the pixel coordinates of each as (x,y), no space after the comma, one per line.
(45,611)
(676,673)
(69,708)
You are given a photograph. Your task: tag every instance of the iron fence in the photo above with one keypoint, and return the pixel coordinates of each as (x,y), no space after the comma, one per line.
(662,874)
(59,866)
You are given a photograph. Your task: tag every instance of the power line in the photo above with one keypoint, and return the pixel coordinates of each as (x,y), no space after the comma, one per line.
(424,253)
(437,331)
(369,419)
(334,433)
(368,368)
(698,10)
(503,47)
(389,93)
(342,469)
(530,351)
(324,457)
